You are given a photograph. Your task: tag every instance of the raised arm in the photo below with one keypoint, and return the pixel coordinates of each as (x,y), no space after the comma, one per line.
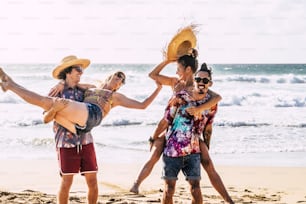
(162,79)
(122,100)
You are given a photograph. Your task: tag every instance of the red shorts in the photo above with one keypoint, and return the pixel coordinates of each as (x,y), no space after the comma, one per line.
(72,162)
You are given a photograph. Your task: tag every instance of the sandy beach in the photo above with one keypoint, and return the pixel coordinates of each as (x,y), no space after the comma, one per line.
(36,181)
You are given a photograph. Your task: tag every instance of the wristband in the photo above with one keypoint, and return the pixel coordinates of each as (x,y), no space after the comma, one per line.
(151,140)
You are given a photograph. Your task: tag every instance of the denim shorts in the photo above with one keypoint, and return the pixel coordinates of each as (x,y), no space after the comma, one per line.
(190,166)
(94,118)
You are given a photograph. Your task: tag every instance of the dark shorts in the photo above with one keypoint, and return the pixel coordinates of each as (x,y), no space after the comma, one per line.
(94,118)
(190,166)
(72,162)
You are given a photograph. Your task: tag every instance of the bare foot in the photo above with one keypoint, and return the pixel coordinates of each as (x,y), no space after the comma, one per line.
(5,79)
(3,75)
(3,86)
(134,188)
(58,104)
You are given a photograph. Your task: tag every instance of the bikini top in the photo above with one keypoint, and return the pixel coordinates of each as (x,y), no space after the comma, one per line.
(93,96)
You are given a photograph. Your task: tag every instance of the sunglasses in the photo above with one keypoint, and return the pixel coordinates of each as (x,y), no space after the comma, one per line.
(204,80)
(121,76)
(78,69)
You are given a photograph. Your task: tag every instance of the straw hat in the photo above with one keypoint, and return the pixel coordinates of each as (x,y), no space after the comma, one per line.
(69,61)
(181,43)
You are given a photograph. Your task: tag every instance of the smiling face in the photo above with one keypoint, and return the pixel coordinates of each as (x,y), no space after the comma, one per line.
(115,81)
(183,72)
(202,82)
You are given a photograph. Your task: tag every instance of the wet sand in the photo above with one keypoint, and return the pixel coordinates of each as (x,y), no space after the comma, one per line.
(28,181)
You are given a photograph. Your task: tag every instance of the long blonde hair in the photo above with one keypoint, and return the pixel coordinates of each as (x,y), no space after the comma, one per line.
(107,79)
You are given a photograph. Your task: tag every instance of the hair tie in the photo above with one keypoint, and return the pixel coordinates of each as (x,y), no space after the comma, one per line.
(190,52)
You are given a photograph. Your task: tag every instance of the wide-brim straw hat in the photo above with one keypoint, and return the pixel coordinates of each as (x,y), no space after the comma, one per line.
(181,43)
(69,61)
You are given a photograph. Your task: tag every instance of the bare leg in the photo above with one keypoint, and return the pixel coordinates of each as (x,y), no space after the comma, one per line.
(91,180)
(58,105)
(29,96)
(63,194)
(214,177)
(161,127)
(147,168)
(65,123)
(169,190)
(195,191)
(76,112)
(207,135)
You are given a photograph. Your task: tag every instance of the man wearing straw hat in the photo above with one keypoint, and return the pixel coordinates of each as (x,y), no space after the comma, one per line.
(76,153)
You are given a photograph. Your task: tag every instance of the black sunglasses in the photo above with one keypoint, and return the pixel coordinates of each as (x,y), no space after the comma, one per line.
(204,80)
(77,68)
(121,76)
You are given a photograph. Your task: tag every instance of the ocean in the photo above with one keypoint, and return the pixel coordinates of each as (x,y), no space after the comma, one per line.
(261,119)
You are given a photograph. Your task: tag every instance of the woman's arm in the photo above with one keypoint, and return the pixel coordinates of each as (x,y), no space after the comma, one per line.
(58,88)
(162,79)
(122,100)
(212,101)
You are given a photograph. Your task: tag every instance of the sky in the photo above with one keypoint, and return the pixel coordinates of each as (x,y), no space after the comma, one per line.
(136,31)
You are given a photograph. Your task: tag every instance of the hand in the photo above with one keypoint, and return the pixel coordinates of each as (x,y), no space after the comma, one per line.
(57,89)
(192,110)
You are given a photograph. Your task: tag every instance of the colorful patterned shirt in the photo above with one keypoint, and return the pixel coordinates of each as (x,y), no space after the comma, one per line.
(184,131)
(63,137)
(211,114)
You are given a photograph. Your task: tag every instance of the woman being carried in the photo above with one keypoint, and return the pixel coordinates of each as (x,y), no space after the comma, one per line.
(80,116)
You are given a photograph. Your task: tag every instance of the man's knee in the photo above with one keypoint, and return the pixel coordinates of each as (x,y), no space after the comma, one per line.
(170,189)
(91,180)
(66,182)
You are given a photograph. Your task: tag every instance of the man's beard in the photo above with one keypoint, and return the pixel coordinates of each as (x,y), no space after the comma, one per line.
(201,91)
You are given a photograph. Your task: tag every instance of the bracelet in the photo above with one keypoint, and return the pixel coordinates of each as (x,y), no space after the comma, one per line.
(151,140)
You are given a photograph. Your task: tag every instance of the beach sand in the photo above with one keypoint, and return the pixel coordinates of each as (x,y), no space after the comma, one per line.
(37,181)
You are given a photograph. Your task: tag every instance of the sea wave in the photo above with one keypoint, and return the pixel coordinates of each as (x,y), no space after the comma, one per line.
(240,124)
(125,123)
(293,102)
(287,79)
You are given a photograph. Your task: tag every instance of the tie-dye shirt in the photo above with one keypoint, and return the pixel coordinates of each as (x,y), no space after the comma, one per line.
(63,137)
(184,131)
